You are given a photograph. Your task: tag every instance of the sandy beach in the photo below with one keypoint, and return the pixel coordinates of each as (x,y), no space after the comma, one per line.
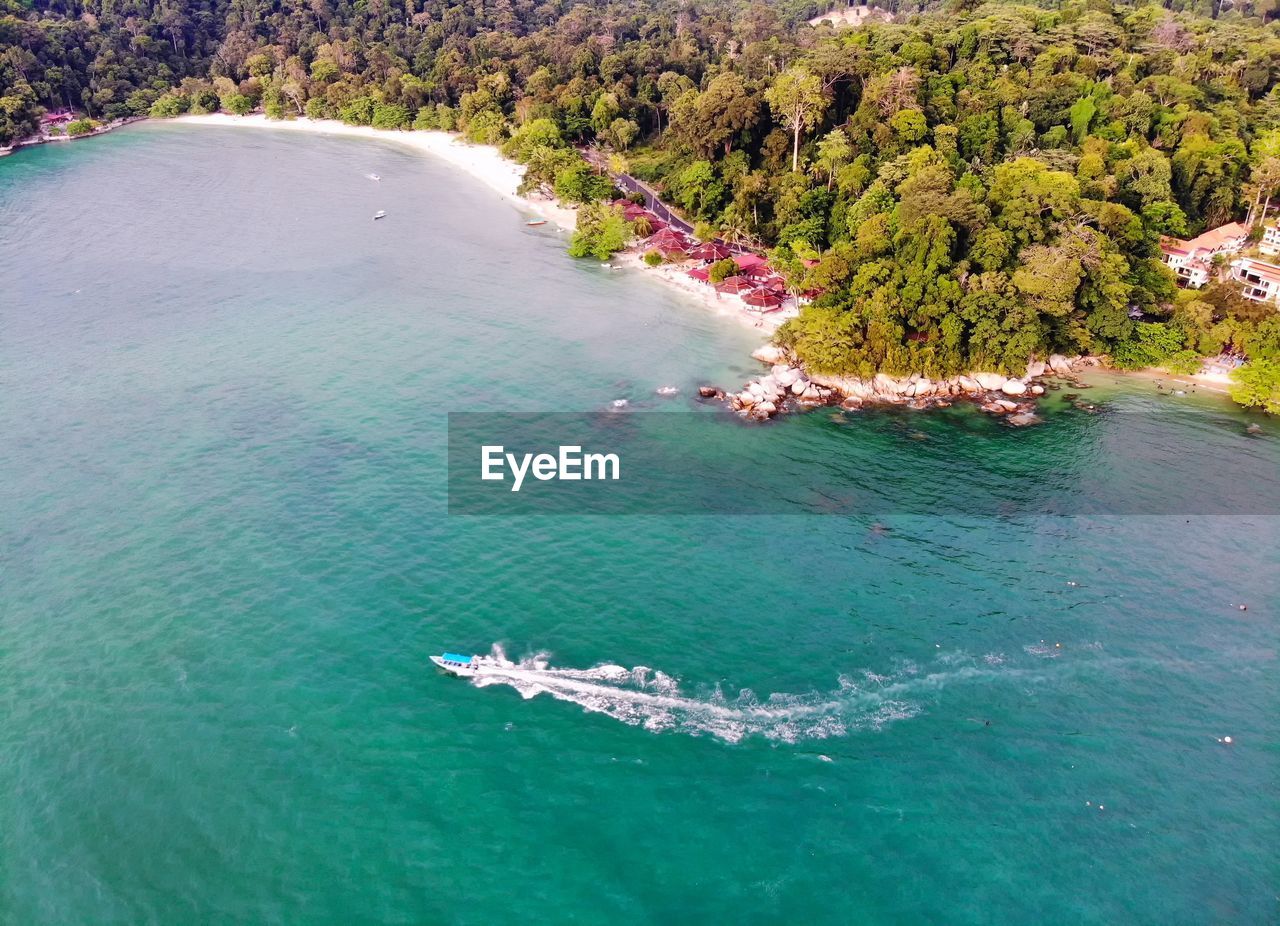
(676,277)
(483,162)
(1211,382)
(486,164)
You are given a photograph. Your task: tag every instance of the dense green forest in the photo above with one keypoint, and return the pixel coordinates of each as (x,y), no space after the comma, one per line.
(967,185)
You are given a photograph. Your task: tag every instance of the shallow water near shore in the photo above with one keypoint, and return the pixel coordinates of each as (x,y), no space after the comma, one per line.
(225,555)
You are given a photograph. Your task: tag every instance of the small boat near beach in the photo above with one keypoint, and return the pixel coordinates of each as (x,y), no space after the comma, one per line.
(458,665)
(374,177)
(535,222)
(380,214)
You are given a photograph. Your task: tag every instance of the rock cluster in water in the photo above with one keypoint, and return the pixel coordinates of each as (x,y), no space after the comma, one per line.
(765,397)
(788,384)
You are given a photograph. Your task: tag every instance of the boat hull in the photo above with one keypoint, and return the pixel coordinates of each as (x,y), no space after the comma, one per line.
(453,668)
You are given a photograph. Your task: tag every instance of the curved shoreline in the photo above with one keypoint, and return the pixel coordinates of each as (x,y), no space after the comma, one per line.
(35,141)
(483,162)
(488,165)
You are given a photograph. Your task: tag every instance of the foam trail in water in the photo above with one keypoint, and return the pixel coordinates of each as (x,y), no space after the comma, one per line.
(644,697)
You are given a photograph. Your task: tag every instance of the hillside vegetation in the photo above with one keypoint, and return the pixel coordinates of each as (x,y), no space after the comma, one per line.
(967,187)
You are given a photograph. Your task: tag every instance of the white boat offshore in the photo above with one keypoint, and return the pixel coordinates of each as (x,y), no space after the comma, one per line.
(455,664)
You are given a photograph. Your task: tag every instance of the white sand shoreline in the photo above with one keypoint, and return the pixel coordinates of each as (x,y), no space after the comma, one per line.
(484,162)
(1211,382)
(487,164)
(675,277)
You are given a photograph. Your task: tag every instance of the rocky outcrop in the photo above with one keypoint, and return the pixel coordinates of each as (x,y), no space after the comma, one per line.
(769,353)
(787,384)
(766,396)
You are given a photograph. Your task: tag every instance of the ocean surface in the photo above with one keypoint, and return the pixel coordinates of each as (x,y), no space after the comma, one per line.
(226,553)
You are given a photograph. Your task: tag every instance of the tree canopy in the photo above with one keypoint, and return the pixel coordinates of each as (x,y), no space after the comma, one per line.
(965,185)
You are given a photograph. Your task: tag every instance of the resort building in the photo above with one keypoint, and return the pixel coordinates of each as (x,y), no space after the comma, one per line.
(1259,280)
(1192,260)
(1192,272)
(1270,243)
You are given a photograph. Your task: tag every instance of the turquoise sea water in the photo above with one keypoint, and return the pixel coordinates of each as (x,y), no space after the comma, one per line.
(225,556)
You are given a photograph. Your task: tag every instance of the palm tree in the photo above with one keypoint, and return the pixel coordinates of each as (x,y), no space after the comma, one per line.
(734,227)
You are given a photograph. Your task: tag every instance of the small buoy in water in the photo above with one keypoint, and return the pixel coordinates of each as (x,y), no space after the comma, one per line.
(1100,807)
(1058,645)
(1227,740)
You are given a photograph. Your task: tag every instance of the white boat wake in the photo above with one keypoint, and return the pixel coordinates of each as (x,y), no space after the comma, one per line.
(653,700)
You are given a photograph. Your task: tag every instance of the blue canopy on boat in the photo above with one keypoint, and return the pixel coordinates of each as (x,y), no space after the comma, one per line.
(454,657)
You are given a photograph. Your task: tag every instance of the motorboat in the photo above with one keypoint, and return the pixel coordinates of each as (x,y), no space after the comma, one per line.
(455,664)
(380,214)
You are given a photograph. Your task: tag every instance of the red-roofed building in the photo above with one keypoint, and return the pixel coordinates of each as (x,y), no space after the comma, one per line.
(1221,240)
(749,262)
(763,299)
(1191,260)
(670,236)
(735,286)
(710,251)
(1193,272)
(57,118)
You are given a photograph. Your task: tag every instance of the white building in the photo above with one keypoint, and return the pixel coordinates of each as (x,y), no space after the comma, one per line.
(1193,272)
(1259,280)
(1270,243)
(1192,260)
